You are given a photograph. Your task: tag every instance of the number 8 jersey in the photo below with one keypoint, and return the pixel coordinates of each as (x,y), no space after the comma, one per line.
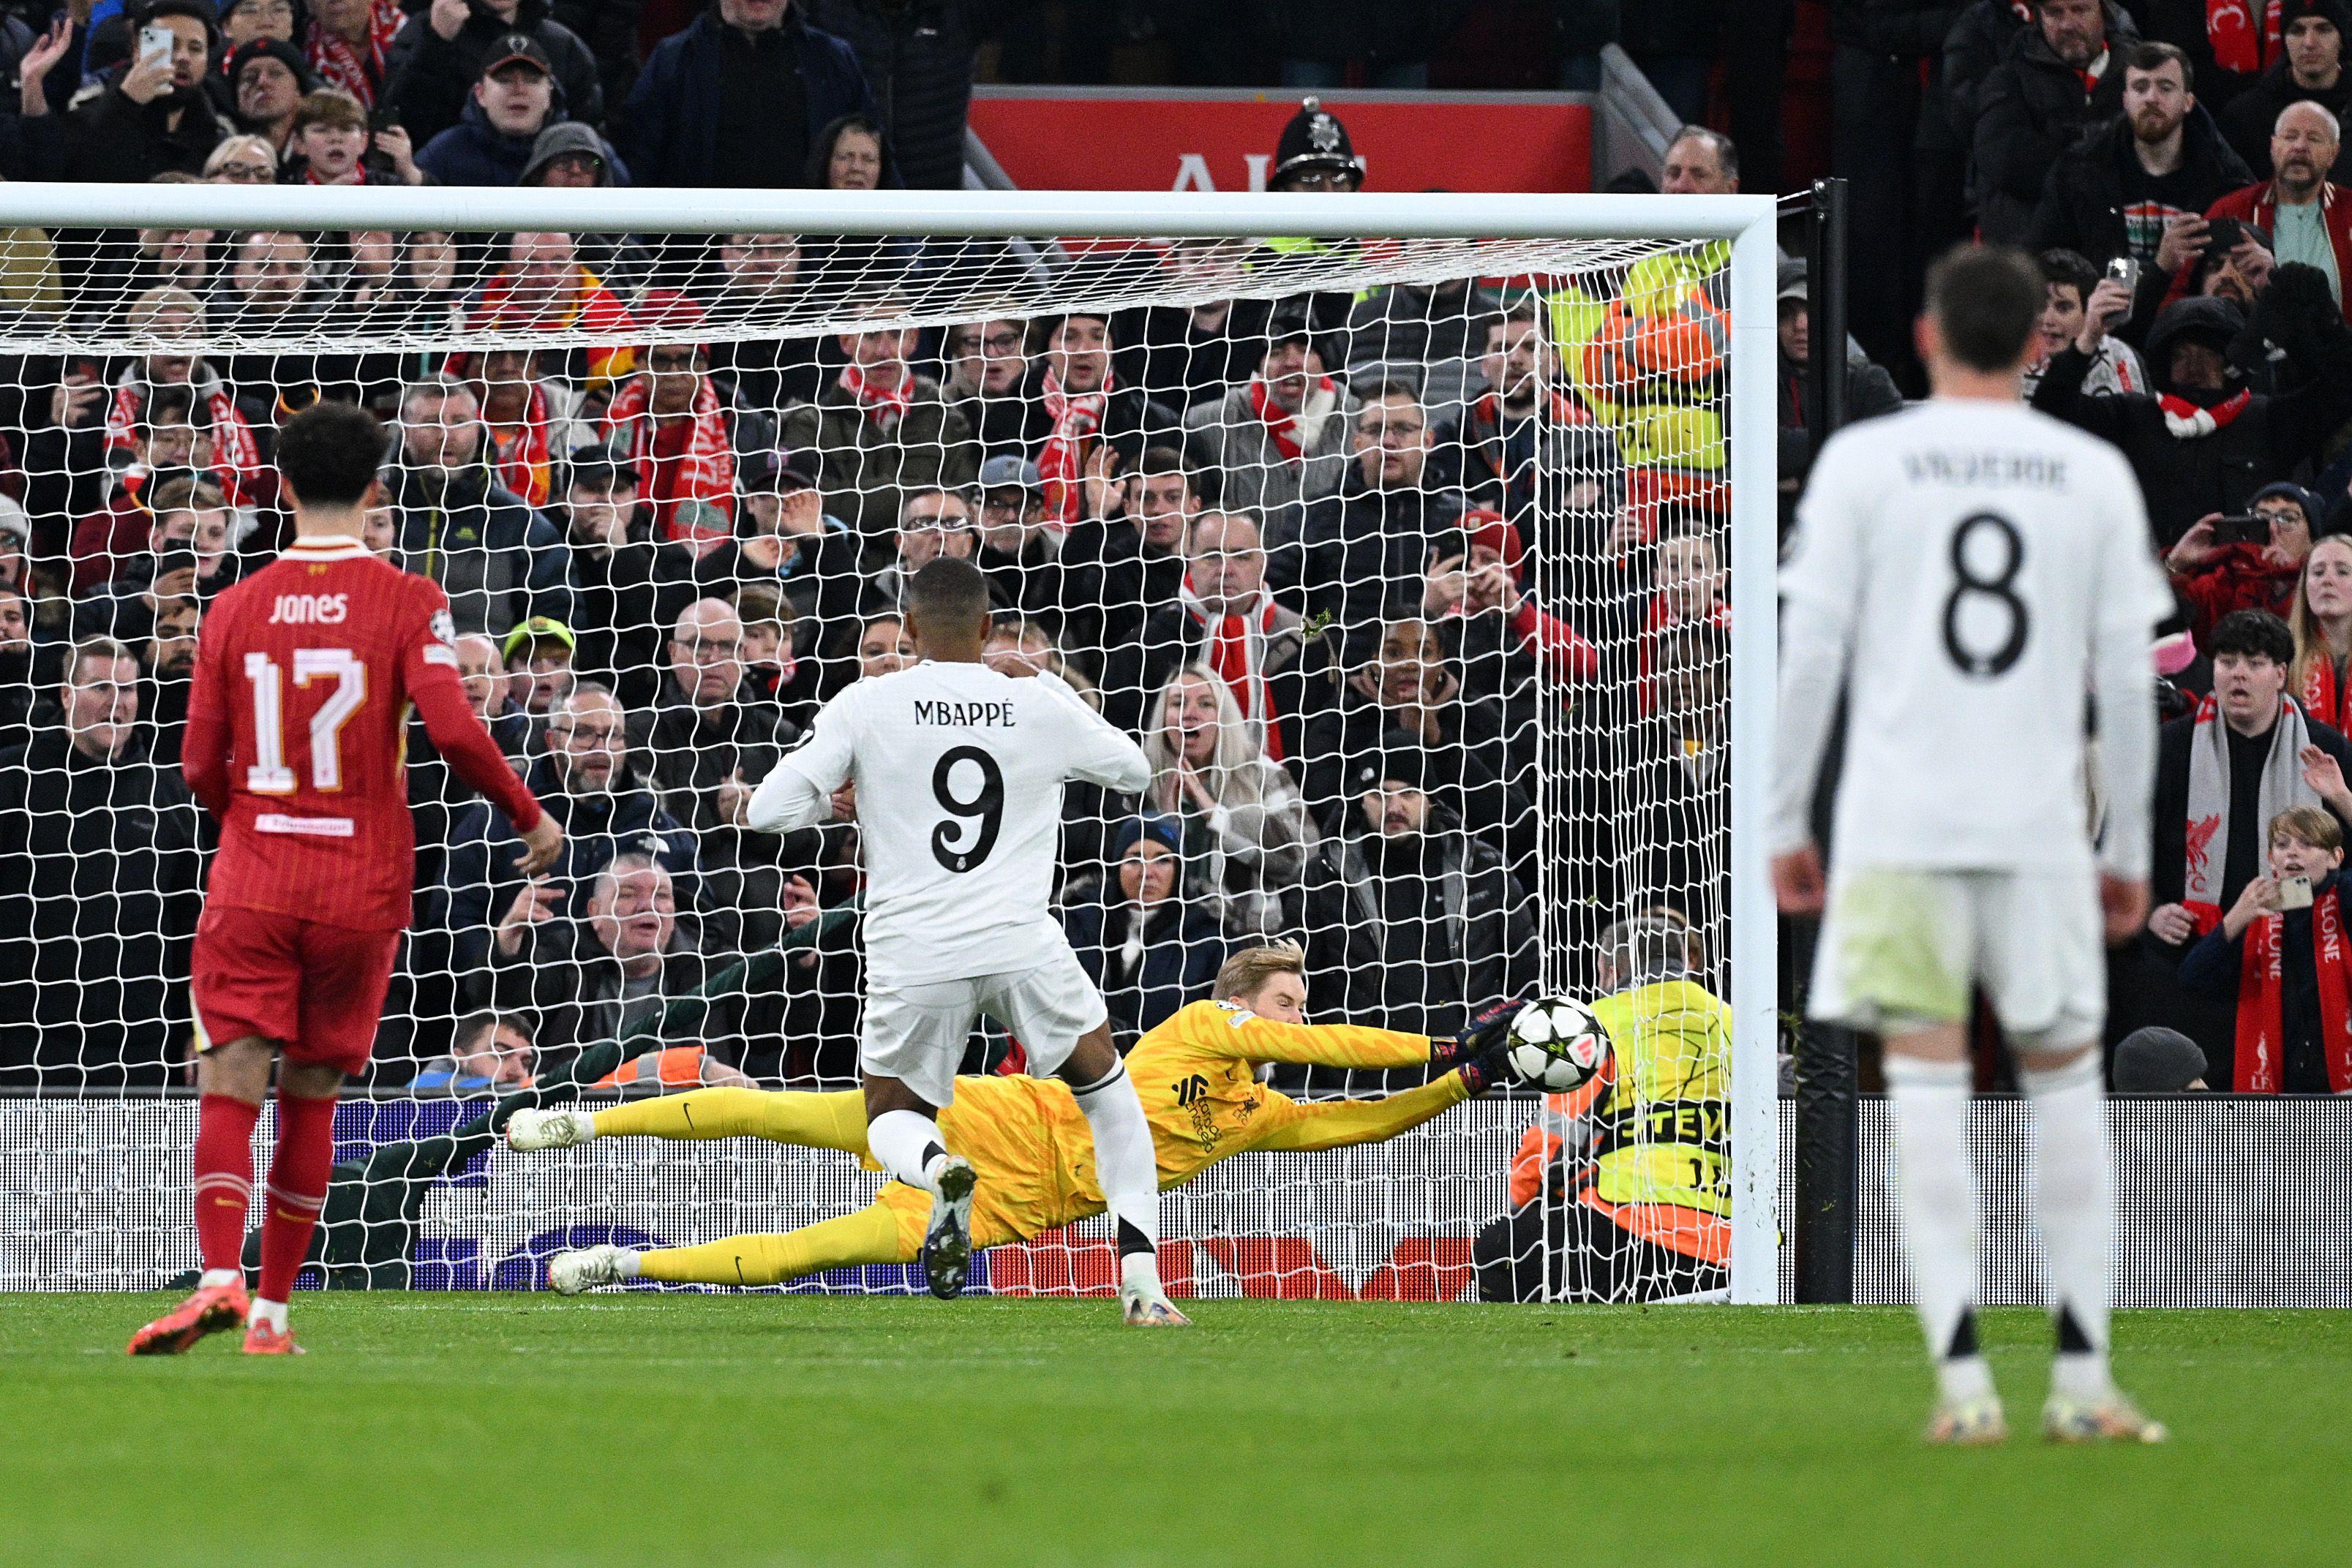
(958,772)
(296,720)
(1969,572)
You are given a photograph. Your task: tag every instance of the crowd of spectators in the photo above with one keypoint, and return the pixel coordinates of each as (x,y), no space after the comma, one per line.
(1290,544)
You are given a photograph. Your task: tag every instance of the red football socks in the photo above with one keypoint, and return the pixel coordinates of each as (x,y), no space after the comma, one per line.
(298,1186)
(224,1172)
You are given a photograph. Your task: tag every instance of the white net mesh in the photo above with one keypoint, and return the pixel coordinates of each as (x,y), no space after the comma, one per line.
(1404,559)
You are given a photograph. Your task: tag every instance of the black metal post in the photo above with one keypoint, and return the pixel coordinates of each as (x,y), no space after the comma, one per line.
(1825,264)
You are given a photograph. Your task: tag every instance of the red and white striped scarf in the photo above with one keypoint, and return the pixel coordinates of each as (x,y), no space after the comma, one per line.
(1235,647)
(1281,423)
(2191,422)
(521,452)
(341,64)
(704,472)
(886,406)
(1076,416)
(236,455)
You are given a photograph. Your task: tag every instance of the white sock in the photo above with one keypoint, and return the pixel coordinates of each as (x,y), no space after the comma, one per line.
(1938,1197)
(905,1142)
(212,1277)
(629,1263)
(1126,1166)
(2074,1202)
(267,1312)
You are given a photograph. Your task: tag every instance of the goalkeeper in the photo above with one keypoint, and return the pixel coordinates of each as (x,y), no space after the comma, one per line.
(1026,1136)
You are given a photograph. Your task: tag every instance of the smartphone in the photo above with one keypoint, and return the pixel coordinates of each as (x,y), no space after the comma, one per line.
(2125,270)
(2294,892)
(2243,528)
(154,46)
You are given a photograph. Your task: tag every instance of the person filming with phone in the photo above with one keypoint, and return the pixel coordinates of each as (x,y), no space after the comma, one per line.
(2280,955)
(2243,560)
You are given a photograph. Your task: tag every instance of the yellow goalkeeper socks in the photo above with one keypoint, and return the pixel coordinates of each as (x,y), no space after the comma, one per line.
(808,1121)
(868,1236)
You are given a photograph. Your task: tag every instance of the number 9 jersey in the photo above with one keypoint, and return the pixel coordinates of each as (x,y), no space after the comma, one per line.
(297,723)
(1969,572)
(958,772)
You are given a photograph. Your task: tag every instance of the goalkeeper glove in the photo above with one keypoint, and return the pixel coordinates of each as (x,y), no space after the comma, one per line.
(1488,1030)
(1490,1068)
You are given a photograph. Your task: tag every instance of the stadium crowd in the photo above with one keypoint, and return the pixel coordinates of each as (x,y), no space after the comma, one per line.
(1289,543)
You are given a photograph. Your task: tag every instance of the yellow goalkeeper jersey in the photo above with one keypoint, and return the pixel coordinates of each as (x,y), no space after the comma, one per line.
(1197,1076)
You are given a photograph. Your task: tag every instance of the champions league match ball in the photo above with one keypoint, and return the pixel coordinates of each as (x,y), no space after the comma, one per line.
(1556,1044)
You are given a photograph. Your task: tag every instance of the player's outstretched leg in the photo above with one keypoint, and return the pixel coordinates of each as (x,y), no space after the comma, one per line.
(1928,1079)
(2075,1201)
(1129,1168)
(233,1077)
(836,1121)
(872,1235)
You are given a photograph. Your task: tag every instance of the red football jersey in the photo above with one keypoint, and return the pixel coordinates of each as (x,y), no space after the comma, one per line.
(297,717)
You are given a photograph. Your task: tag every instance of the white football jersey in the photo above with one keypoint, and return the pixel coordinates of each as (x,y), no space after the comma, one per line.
(959,773)
(1973,571)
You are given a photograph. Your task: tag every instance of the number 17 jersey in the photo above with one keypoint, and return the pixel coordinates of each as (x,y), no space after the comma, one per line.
(1969,555)
(959,773)
(296,720)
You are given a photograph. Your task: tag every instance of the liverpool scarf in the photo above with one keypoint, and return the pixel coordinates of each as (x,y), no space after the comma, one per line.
(2207,827)
(2239,44)
(1076,416)
(2190,423)
(1281,423)
(886,406)
(521,450)
(236,455)
(1236,646)
(674,473)
(2325,697)
(2261,1045)
(357,69)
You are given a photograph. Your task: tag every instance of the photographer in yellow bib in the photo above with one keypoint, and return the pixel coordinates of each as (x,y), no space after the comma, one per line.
(1196,1074)
(1620,1191)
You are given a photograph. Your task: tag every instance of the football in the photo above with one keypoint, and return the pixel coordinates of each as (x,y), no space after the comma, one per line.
(1556,1044)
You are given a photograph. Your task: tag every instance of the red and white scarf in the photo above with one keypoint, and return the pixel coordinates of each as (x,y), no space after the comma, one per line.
(356,69)
(1281,423)
(1236,647)
(2190,423)
(886,406)
(1076,416)
(2239,44)
(521,452)
(703,472)
(2261,1029)
(236,455)
(2324,698)
(2207,830)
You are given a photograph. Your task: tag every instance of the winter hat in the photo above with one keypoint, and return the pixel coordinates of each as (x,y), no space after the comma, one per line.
(1399,758)
(1166,829)
(2291,491)
(564,139)
(2157,1060)
(305,80)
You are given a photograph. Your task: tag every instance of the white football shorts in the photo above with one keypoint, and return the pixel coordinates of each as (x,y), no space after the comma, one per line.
(1902,946)
(917,1033)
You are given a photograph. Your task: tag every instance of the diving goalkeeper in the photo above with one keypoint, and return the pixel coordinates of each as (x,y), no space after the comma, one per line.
(1028,1142)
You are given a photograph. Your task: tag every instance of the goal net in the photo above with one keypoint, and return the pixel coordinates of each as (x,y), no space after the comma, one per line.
(1407,554)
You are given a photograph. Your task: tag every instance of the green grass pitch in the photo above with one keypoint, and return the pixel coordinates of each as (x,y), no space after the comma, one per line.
(644,1429)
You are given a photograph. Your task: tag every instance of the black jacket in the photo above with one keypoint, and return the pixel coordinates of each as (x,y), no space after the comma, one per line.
(2186,478)
(1869,393)
(2082,206)
(1416,933)
(98,871)
(2169,872)
(669,132)
(1182,947)
(2031,108)
(1111,581)
(577,991)
(109,139)
(498,559)
(1981,34)
(1362,552)
(1134,672)
(430,80)
(2246,123)
(918,60)
(625,601)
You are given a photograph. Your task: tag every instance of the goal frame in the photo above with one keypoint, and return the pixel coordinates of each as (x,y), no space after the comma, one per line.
(1748,223)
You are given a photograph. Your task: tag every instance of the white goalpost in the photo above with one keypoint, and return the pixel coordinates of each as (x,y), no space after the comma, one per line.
(1492,522)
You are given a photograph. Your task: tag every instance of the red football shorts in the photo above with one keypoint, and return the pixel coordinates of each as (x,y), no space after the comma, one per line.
(317,990)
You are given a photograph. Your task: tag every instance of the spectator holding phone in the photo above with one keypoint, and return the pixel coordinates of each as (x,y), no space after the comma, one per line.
(2281,954)
(2252,560)
(2070,284)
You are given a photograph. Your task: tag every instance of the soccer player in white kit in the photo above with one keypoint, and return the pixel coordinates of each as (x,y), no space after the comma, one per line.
(955,774)
(1970,572)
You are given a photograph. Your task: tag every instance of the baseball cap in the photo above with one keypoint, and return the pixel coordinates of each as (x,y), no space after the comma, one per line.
(535,630)
(513,46)
(1006,471)
(778,473)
